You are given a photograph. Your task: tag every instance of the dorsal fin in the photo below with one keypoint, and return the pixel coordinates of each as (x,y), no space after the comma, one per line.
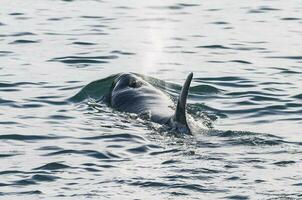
(180,113)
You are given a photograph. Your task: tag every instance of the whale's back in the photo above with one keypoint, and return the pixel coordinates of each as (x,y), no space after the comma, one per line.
(145,99)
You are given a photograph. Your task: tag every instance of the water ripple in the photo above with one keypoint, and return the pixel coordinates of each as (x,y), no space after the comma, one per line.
(25,41)
(18,34)
(28,137)
(84,59)
(52,166)
(122,136)
(84,43)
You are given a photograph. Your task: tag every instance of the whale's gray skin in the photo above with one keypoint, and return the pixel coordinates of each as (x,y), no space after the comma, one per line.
(130,93)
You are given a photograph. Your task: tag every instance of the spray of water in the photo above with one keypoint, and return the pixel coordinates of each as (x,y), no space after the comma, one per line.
(153,55)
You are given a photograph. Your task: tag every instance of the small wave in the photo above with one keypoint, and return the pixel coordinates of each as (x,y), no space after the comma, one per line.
(60,117)
(168,162)
(8,123)
(124,7)
(197,110)
(157,19)
(287,71)
(188,4)
(247,138)
(17,34)
(24,182)
(124,136)
(5,101)
(237,197)
(10,90)
(7,155)
(290,19)
(43,177)
(165,152)
(11,172)
(30,192)
(286,57)
(27,137)
(122,52)
(298,96)
(25,41)
(90,153)
(92,17)
(297,184)
(192,187)
(84,43)
(254,141)
(214,47)
(84,59)
(236,84)
(58,18)
(31,105)
(232,133)
(223,47)
(204,89)
(90,165)
(17,84)
(51,102)
(241,62)
(267,8)
(284,163)
(254,94)
(52,166)
(178,6)
(220,23)
(6,52)
(221,78)
(263,9)
(16,14)
(140,149)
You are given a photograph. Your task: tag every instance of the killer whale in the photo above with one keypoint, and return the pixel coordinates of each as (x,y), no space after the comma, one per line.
(130,93)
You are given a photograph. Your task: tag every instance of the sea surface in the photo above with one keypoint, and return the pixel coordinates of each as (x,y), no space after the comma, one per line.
(59,141)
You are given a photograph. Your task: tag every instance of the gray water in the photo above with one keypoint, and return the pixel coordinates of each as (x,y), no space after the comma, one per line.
(57,59)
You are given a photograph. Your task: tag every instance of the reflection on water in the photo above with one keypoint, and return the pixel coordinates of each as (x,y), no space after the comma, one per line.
(58,58)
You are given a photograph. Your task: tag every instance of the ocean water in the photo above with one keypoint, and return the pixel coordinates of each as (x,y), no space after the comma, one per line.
(58,58)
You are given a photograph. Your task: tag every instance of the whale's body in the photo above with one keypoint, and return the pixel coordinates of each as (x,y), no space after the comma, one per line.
(130,93)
